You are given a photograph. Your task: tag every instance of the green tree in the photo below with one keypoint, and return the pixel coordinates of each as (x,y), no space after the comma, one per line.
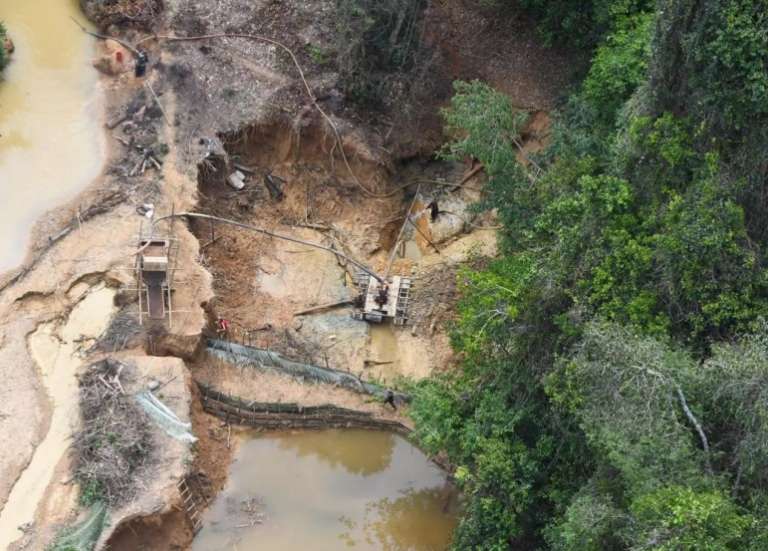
(680,519)
(3,53)
(629,394)
(605,384)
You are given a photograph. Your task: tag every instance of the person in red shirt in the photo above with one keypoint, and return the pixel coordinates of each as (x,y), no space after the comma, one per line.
(222,327)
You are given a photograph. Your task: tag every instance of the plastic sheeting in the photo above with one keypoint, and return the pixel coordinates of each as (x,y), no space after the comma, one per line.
(167,419)
(256,357)
(83,536)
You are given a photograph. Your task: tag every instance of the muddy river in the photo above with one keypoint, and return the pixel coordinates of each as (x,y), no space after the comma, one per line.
(330,490)
(51,144)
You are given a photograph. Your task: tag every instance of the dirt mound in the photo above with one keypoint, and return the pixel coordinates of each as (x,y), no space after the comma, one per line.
(115,440)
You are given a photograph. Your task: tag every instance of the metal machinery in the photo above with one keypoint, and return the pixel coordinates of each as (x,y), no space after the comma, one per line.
(379,300)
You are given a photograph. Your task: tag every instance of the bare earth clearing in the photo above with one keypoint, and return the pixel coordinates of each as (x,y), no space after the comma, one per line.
(210,103)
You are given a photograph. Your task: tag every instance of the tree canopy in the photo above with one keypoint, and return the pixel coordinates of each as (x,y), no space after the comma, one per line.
(612,390)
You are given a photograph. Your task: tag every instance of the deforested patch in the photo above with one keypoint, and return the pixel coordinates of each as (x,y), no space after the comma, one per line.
(115,440)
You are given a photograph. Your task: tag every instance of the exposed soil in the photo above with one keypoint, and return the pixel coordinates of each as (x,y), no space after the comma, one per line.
(160,532)
(502,49)
(212,104)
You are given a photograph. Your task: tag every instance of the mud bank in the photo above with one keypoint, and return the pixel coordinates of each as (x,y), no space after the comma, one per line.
(269,288)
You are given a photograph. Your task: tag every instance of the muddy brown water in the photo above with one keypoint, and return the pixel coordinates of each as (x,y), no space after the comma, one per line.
(51,145)
(330,490)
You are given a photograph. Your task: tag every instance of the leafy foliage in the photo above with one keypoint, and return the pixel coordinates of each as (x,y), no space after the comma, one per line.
(590,523)
(514,455)
(3,53)
(623,390)
(680,519)
(614,359)
(619,66)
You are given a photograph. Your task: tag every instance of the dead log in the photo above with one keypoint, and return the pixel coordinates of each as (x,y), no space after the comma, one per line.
(322,307)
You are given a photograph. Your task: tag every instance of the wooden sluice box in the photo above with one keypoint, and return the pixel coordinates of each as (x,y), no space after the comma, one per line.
(154,275)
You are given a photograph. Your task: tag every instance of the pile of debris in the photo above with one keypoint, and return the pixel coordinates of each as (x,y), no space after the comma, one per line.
(115,441)
(124,331)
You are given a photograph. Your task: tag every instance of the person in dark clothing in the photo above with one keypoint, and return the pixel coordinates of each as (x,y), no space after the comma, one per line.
(383,296)
(141,64)
(390,399)
(434,210)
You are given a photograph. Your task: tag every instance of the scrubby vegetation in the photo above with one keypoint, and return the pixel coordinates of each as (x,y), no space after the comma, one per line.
(3,53)
(376,45)
(115,441)
(613,393)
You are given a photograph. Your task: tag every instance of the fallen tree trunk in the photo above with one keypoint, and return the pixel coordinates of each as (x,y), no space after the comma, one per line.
(322,307)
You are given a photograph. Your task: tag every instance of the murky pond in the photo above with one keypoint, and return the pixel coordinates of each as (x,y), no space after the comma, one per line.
(330,490)
(51,143)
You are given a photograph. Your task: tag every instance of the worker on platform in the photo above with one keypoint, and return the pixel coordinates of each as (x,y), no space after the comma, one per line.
(141,64)
(434,210)
(383,295)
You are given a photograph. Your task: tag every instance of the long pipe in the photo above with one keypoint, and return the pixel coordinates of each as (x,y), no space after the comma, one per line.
(271,234)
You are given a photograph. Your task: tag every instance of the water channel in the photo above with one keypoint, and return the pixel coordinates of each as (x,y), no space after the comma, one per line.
(330,490)
(51,143)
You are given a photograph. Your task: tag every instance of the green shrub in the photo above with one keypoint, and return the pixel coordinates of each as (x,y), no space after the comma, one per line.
(619,66)
(680,519)
(3,53)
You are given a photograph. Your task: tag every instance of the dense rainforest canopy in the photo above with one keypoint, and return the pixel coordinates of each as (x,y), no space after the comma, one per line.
(613,393)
